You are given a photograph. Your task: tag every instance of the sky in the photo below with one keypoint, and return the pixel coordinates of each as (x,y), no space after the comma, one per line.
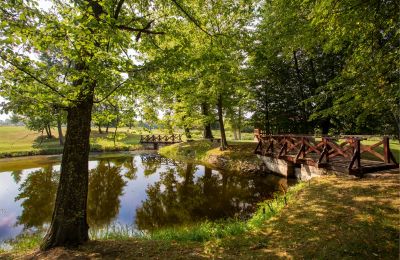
(3,116)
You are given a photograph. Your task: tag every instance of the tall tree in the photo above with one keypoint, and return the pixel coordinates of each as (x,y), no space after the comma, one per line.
(88,41)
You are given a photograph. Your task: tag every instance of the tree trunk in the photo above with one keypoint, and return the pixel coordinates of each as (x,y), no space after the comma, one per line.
(47,131)
(240,124)
(267,123)
(224,143)
(304,126)
(116,128)
(59,128)
(235,136)
(100,131)
(108,125)
(187,133)
(207,133)
(69,224)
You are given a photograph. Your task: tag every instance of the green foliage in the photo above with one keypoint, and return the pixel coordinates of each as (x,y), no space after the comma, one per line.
(327,62)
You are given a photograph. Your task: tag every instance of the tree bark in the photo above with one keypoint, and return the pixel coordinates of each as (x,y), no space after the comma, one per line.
(48,131)
(59,128)
(240,124)
(108,125)
(187,133)
(304,126)
(69,225)
(224,143)
(207,133)
(100,131)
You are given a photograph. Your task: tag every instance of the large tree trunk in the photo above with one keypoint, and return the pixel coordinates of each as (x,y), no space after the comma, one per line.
(59,128)
(69,225)
(207,133)
(224,143)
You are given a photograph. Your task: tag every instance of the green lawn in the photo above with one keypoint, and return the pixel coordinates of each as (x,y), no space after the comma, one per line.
(18,140)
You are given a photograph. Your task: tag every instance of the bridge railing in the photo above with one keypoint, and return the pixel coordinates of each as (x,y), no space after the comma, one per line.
(324,151)
(174,138)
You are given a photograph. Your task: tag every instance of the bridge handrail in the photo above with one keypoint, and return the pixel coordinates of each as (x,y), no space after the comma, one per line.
(327,148)
(173,138)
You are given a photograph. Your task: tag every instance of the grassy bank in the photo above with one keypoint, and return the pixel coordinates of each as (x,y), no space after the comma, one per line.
(329,218)
(20,141)
(238,157)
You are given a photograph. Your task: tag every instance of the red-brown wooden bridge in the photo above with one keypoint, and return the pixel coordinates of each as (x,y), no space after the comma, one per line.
(343,154)
(156,140)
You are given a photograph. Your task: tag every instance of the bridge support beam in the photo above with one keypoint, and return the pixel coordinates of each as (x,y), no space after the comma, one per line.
(279,166)
(292,170)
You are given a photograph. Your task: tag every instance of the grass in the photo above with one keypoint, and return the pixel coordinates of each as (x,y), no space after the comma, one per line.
(20,141)
(332,218)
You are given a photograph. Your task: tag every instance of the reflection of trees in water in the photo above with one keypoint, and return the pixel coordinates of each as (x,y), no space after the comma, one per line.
(38,192)
(211,196)
(152,162)
(16,175)
(105,186)
(167,200)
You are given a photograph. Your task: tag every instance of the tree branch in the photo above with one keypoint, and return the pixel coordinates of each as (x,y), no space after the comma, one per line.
(118,9)
(37,79)
(191,18)
(140,31)
(112,91)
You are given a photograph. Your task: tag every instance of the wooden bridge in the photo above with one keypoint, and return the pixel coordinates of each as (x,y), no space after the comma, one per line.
(342,154)
(156,140)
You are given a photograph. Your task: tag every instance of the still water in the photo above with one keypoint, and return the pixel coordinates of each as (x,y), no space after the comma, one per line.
(143,191)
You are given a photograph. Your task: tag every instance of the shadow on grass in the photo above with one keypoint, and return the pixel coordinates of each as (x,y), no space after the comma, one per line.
(333,219)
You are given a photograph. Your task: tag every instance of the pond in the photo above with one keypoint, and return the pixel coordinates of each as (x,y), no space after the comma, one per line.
(143,191)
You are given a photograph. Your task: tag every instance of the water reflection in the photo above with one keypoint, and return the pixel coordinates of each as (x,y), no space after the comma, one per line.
(105,188)
(182,197)
(37,193)
(147,191)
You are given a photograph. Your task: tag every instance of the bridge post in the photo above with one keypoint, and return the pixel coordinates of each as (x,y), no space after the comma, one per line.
(257,134)
(386,149)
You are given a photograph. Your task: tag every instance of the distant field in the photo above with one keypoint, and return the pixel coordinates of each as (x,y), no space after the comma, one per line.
(18,140)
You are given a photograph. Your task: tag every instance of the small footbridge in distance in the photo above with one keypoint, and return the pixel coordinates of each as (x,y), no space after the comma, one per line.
(157,140)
